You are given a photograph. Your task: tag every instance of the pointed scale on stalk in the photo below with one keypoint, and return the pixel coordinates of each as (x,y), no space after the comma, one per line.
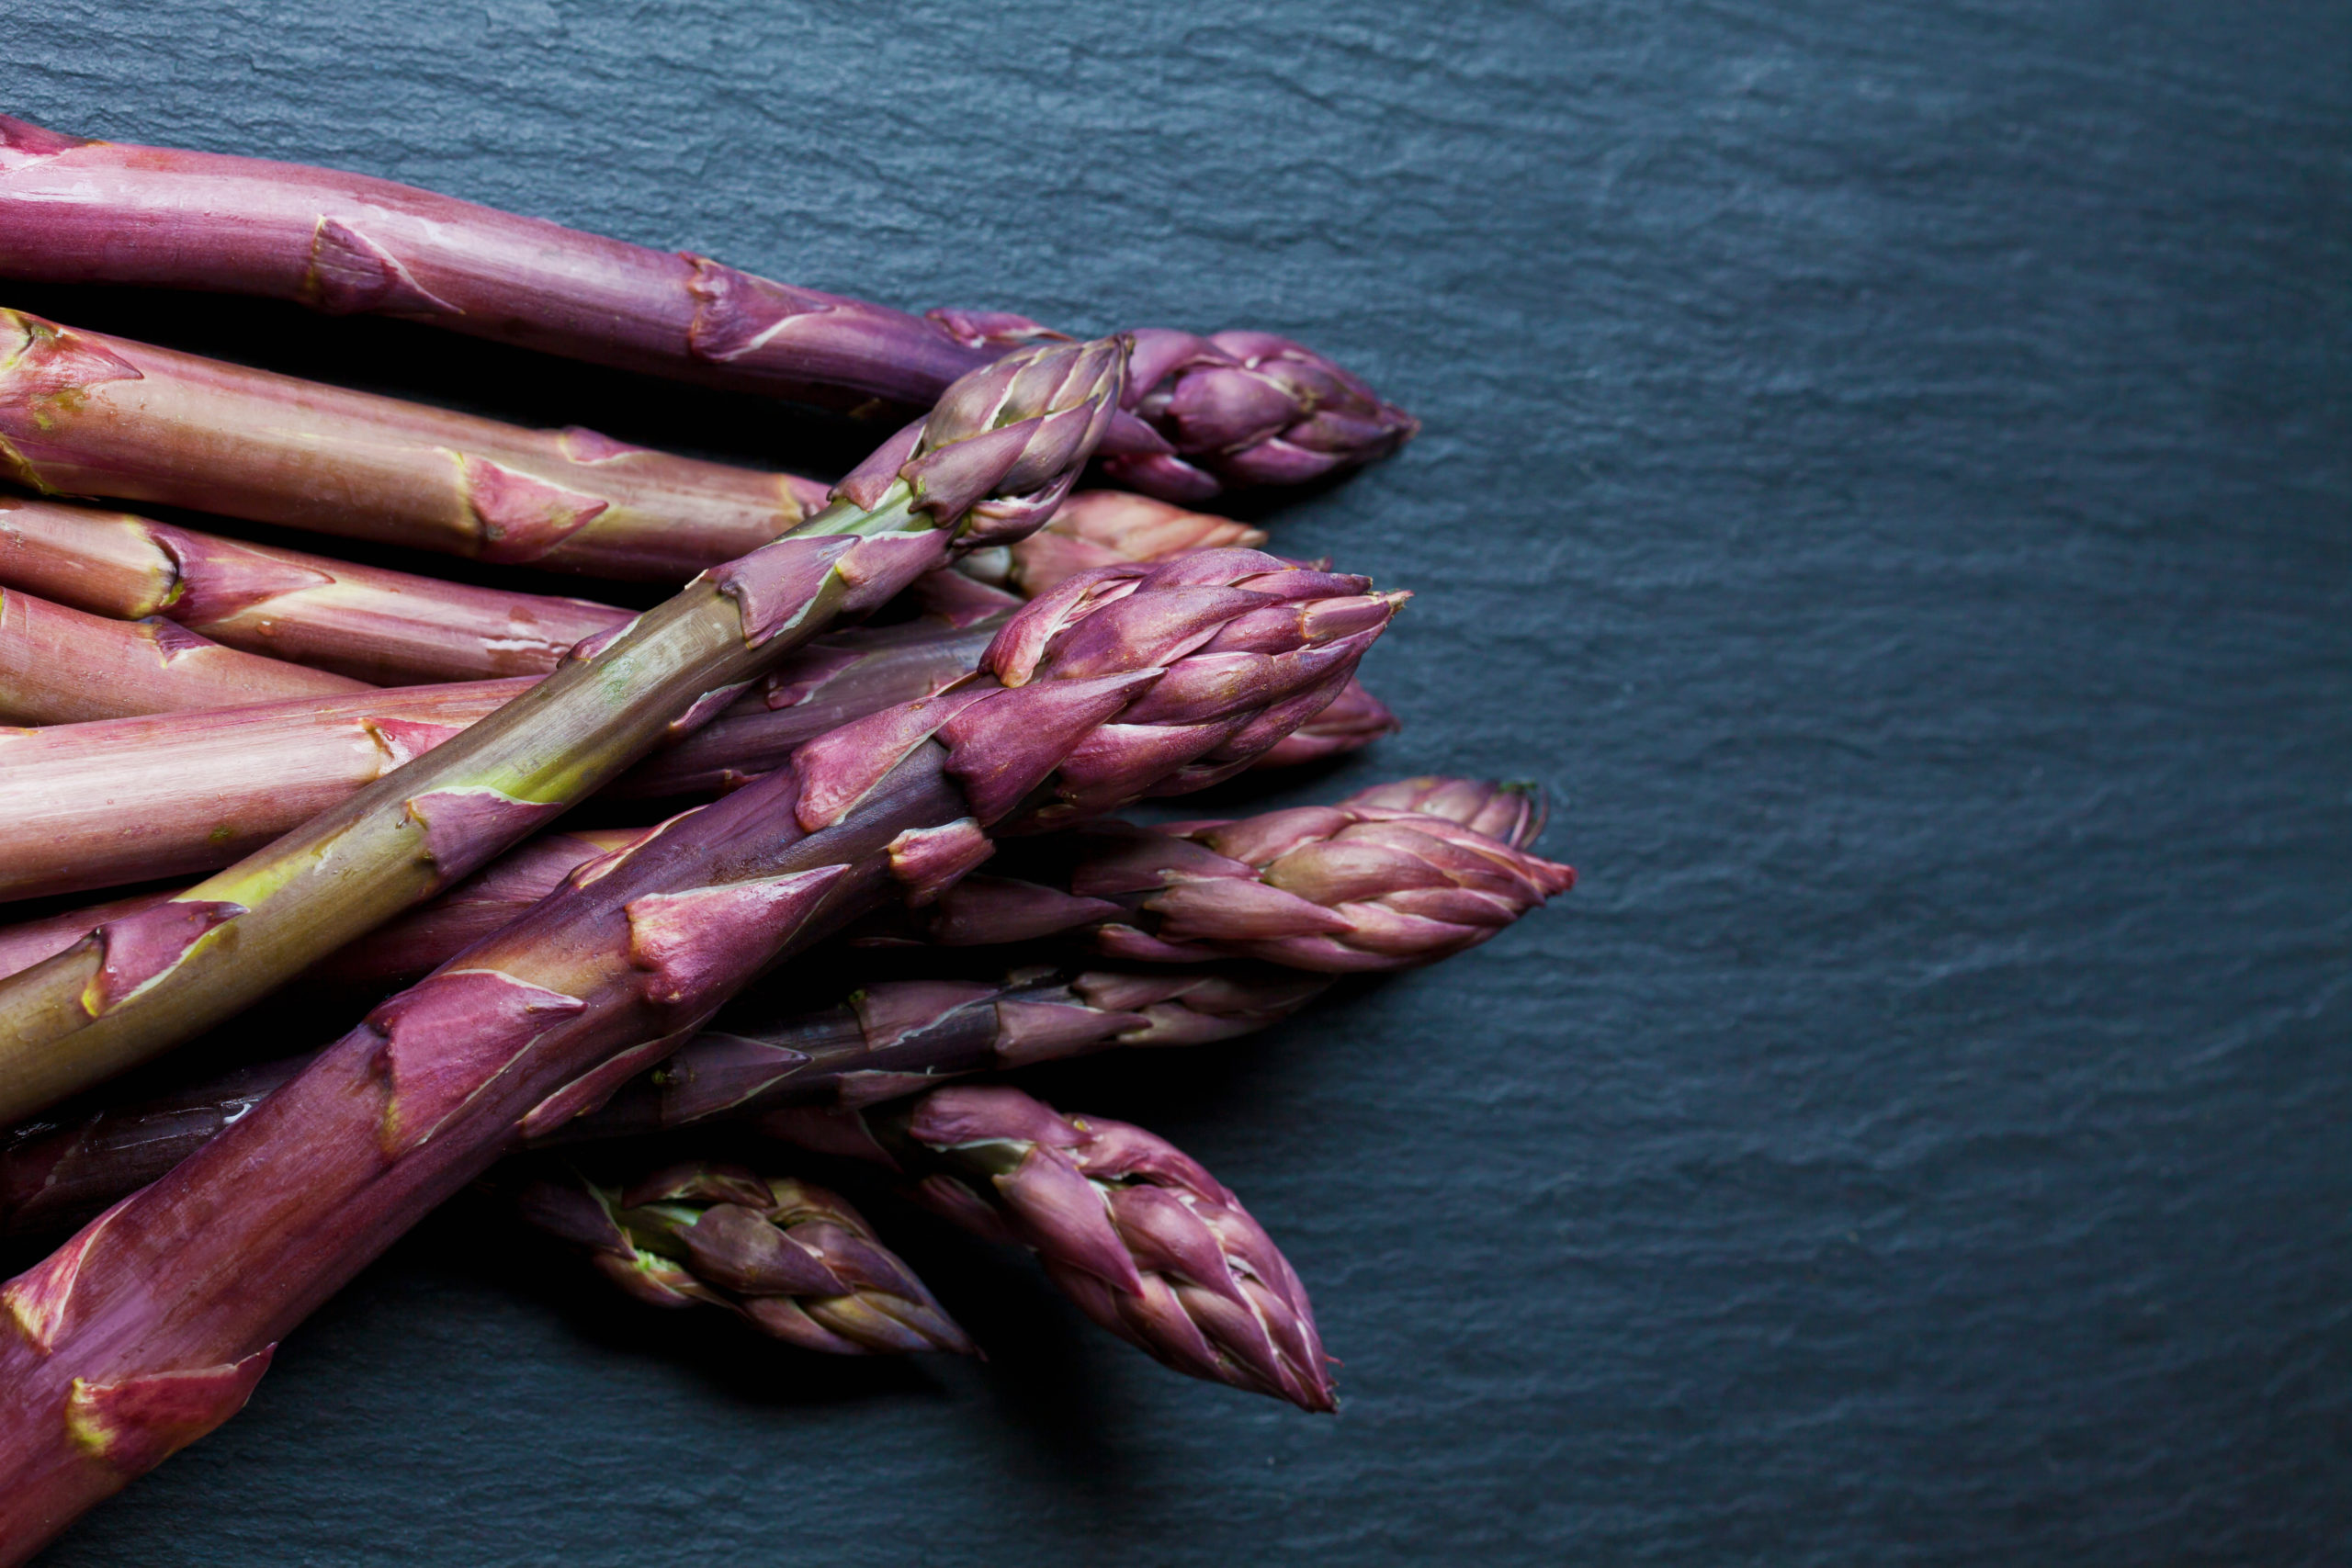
(1091,696)
(790,1259)
(1228,411)
(987,465)
(1146,1242)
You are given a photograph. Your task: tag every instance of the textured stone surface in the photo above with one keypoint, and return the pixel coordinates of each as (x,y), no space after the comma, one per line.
(1885,467)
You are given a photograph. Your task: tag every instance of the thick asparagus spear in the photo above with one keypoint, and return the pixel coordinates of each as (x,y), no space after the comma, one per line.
(395,628)
(62,666)
(1144,1241)
(998,453)
(82,413)
(1233,410)
(795,1261)
(1120,682)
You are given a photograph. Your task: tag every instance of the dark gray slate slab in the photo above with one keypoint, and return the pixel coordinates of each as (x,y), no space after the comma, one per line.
(1886,469)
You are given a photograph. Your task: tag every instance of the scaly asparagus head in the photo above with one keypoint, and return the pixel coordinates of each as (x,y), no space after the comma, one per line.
(1356,886)
(1144,1241)
(1240,409)
(1337,888)
(795,1261)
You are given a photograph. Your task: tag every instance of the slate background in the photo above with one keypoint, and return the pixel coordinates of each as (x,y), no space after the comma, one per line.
(1885,469)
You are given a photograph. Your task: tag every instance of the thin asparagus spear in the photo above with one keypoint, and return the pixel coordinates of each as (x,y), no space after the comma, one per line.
(895,1037)
(62,666)
(1120,682)
(82,413)
(795,1261)
(1341,888)
(393,628)
(999,453)
(1234,410)
(1144,1241)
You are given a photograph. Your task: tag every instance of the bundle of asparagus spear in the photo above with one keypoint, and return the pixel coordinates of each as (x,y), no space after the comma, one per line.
(884,721)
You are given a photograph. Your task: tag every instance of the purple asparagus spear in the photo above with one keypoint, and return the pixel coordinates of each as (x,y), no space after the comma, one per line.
(795,1261)
(1144,1241)
(1207,413)
(1121,681)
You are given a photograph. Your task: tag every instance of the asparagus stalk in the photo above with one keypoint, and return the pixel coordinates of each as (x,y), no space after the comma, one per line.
(795,1261)
(1144,1240)
(1123,681)
(895,1037)
(61,666)
(84,414)
(999,452)
(1356,886)
(1233,410)
(387,628)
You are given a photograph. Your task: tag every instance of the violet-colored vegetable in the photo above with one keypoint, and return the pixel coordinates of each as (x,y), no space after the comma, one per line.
(990,462)
(65,666)
(795,1261)
(1135,1232)
(1337,888)
(1209,413)
(82,413)
(395,628)
(1096,693)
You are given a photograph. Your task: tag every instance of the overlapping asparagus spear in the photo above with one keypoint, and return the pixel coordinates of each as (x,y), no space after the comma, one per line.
(1144,1241)
(791,1260)
(393,628)
(1233,410)
(999,454)
(1120,682)
(82,413)
(891,1038)
(1361,886)
(61,666)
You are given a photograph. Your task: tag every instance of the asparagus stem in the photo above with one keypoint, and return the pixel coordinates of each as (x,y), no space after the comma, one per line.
(998,453)
(84,414)
(391,628)
(1356,886)
(891,1038)
(61,666)
(1114,684)
(1233,410)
